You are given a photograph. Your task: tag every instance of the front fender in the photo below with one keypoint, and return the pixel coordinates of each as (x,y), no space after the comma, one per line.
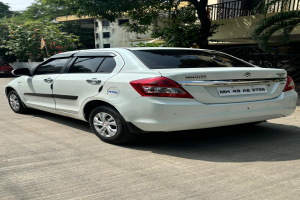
(15,84)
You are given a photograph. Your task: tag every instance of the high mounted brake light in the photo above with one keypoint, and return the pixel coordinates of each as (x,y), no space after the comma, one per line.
(159,87)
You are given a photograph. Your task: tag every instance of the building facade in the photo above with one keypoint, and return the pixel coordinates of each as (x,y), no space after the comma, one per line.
(114,34)
(110,34)
(236,16)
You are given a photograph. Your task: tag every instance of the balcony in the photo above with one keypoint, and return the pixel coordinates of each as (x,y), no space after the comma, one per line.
(243,8)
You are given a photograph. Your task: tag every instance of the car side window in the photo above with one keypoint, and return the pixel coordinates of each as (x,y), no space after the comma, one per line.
(86,65)
(107,66)
(52,67)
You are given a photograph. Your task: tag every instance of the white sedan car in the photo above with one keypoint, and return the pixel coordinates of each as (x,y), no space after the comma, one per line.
(125,91)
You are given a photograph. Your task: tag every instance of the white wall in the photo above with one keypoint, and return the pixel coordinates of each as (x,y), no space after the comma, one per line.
(118,36)
(214,1)
(237,30)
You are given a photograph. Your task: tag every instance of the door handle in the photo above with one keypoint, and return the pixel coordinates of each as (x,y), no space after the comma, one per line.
(48,80)
(94,80)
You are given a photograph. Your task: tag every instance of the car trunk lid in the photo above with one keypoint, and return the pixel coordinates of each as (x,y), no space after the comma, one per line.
(229,85)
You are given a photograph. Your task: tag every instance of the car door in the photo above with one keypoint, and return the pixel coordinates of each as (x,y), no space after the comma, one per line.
(83,79)
(37,89)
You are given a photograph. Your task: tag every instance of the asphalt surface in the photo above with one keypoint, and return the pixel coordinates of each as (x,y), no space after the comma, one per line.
(46,156)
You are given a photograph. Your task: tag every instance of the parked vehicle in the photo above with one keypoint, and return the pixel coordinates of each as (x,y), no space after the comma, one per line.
(5,68)
(122,92)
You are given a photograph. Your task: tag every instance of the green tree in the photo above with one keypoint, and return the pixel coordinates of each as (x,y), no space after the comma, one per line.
(143,12)
(39,11)
(183,29)
(5,10)
(4,35)
(86,35)
(141,44)
(44,12)
(4,13)
(25,39)
(280,24)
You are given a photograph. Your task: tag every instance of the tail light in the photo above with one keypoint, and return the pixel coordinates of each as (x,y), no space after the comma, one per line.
(289,84)
(159,87)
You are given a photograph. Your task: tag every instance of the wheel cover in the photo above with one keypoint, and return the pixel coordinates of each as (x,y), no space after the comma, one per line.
(105,124)
(14,102)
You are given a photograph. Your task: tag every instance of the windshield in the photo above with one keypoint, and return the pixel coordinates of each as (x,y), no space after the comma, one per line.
(169,58)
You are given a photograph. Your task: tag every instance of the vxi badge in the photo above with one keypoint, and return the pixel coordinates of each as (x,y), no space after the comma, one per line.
(281,74)
(196,77)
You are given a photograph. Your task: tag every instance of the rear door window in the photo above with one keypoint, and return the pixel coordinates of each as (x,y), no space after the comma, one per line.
(51,67)
(86,65)
(107,66)
(169,58)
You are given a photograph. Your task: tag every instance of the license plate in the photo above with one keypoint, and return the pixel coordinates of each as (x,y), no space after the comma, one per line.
(242,90)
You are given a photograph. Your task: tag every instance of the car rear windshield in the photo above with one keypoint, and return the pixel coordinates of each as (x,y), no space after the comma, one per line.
(167,58)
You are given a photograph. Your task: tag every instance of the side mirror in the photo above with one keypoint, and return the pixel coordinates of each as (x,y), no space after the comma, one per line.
(21,72)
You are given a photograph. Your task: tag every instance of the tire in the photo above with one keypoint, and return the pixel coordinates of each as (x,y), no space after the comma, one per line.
(16,103)
(114,129)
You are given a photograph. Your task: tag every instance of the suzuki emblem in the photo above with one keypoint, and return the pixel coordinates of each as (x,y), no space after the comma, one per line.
(248,74)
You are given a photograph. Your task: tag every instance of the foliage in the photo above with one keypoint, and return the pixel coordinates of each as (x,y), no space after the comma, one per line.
(39,11)
(25,39)
(183,29)
(4,35)
(86,35)
(4,13)
(44,12)
(183,35)
(141,44)
(280,25)
(143,13)
(5,10)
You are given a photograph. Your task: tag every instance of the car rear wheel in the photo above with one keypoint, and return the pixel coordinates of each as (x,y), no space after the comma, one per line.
(16,103)
(110,126)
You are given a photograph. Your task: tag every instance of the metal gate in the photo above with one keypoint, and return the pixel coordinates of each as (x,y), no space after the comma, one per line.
(252,54)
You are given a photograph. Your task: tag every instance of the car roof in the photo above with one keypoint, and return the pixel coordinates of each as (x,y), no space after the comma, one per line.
(71,53)
(165,48)
(143,48)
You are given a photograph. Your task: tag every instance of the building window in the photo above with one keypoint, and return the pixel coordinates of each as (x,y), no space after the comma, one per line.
(123,21)
(96,24)
(97,35)
(106,45)
(98,46)
(105,23)
(106,34)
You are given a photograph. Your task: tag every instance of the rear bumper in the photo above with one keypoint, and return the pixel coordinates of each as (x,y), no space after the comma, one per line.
(172,114)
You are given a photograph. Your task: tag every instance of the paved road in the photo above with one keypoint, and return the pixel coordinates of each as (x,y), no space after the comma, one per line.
(46,156)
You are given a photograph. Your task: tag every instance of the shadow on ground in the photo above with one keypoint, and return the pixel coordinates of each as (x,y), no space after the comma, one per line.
(78,124)
(240,143)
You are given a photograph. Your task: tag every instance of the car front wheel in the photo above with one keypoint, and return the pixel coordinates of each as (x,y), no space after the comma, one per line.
(16,103)
(110,126)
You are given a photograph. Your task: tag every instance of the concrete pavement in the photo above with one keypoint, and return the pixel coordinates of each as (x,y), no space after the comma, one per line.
(46,156)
